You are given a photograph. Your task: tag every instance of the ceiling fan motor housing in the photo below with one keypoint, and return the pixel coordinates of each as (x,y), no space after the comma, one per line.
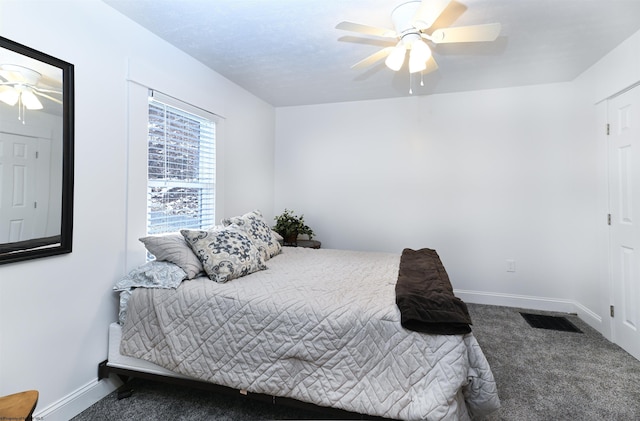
(403,15)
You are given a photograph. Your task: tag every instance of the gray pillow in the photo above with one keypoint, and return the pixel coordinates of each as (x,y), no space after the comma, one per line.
(226,253)
(254,225)
(173,248)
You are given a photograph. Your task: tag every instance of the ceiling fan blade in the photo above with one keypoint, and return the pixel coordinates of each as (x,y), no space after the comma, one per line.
(377,56)
(49,97)
(432,66)
(367,29)
(45,90)
(5,75)
(53,82)
(474,33)
(12,76)
(429,11)
(9,95)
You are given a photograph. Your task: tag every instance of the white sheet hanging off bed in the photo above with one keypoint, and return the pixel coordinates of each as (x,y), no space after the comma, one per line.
(320,326)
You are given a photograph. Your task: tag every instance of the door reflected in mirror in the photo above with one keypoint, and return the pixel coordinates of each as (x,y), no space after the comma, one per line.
(36,153)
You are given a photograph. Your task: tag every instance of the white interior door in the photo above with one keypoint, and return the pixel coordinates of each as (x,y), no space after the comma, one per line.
(21,216)
(624,191)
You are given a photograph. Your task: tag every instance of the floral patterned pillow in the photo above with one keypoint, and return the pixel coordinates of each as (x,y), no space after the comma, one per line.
(226,253)
(153,274)
(254,225)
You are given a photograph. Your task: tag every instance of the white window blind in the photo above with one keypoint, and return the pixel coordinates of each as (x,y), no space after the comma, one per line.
(181,166)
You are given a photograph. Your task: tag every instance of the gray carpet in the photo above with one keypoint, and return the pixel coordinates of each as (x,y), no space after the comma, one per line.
(542,375)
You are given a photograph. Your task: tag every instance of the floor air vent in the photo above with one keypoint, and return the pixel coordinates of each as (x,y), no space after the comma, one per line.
(550,322)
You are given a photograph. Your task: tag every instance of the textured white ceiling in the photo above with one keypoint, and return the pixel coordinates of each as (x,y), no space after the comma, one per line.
(288,52)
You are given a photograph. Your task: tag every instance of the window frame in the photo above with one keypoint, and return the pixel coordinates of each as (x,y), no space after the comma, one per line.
(206,171)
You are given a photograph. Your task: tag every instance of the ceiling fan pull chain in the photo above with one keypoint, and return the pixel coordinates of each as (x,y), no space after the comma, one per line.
(421,78)
(410,88)
(20,109)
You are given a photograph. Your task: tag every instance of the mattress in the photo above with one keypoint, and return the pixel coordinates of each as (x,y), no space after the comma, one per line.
(117,360)
(320,326)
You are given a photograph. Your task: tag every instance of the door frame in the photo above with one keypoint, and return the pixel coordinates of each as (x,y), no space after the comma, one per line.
(603,122)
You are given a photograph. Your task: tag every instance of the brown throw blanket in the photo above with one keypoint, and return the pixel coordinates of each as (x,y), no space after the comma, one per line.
(425,297)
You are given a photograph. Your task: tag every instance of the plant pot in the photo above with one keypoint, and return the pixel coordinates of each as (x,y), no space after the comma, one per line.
(291,239)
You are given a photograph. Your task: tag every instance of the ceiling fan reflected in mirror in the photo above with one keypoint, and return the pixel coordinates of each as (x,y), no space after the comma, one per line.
(20,85)
(413,33)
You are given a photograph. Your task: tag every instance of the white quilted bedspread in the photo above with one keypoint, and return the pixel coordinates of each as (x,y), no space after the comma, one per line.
(319,326)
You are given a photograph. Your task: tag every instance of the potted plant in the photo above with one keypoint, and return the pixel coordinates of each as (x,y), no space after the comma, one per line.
(290,226)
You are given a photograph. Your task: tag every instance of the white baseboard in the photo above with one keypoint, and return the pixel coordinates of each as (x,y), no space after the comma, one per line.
(77,401)
(533,303)
(513,300)
(592,319)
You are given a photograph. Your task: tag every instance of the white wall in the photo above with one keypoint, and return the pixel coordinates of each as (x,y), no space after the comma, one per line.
(615,72)
(481,177)
(55,312)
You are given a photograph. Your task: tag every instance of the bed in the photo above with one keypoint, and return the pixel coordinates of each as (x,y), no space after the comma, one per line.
(319,326)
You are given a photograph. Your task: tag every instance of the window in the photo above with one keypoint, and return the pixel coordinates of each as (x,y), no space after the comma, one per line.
(181,166)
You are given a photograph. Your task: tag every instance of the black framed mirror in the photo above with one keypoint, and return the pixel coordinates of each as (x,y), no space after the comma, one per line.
(36,153)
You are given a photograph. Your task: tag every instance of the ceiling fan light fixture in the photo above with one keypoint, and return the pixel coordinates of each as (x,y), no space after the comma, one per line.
(418,56)
(395,60)
(9,95)
(29,99)
(413,21)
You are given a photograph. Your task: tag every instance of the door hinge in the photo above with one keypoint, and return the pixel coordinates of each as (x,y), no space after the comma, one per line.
(37,154)
(611,311)
(35,205)
(608,128)
(609,219)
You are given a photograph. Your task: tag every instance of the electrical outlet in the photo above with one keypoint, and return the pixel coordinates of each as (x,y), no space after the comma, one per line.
(511,265)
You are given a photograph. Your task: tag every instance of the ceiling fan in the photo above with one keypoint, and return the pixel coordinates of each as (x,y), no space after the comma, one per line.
(413,32)
(20,85)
